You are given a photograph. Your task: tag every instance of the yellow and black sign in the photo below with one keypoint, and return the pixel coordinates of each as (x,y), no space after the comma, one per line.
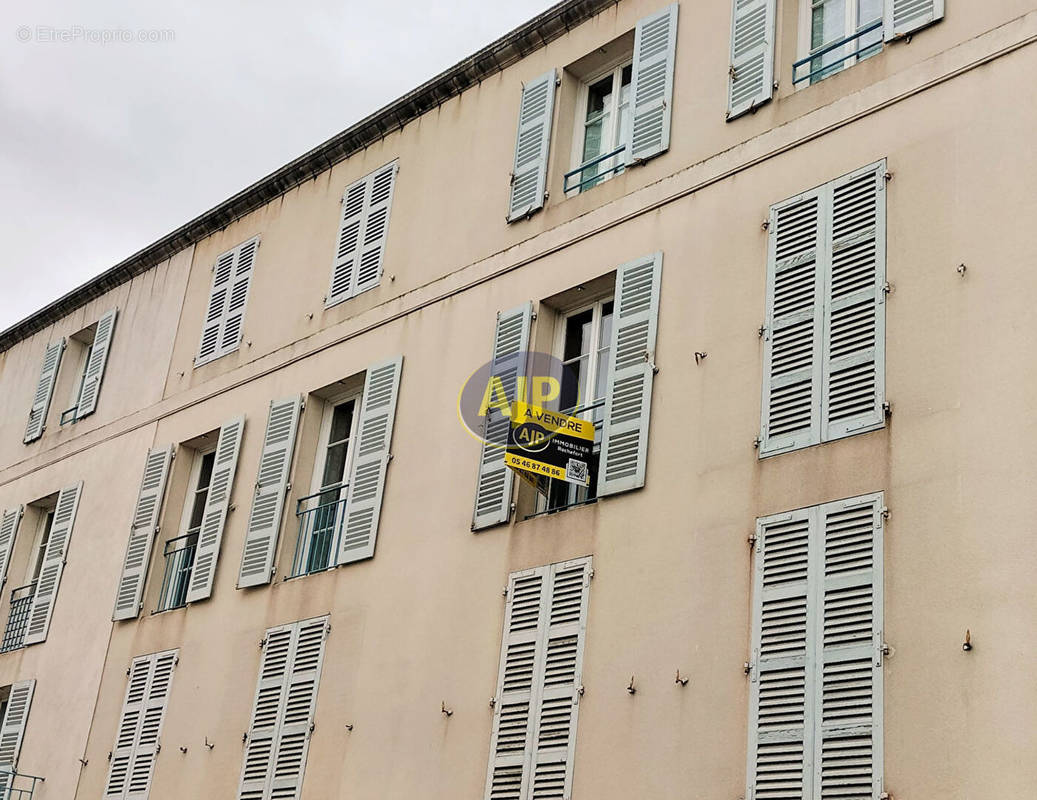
(542,442)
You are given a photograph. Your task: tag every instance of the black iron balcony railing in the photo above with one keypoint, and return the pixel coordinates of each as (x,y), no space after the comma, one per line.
(321,518)
(179,557)
(599,174)
(17,785)
(591,495)
(17,620)
(815,59)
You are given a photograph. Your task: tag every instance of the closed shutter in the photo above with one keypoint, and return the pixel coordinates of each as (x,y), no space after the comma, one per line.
(42,607)
(275,464)
(907,16)
(628,397)
(283,711)
(142,533)
(655,51)
(370,461)
(508,362)
(44,391)
(217,504)
(8,532)
(853,388)
(751,73)
(539,683)
(95,365)
(12,730)
(140,726)
(232,276)
(532,145)
(363,229)
(792,329)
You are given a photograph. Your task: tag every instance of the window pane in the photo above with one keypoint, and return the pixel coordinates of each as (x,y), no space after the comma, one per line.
(599,97)
(871,43)
(604,352)
(205,473)
(334,465)
(341,422)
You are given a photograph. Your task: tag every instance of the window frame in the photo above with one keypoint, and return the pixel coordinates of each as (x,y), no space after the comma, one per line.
(614,68)
(40,538)
(804,48)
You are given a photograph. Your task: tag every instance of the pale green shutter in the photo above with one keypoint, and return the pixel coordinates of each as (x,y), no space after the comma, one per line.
(751,72)
(228,297)
(142,533)
(94,373)
(508,363)
(532,146)
(628,397)
(275,464)
(12,731)
(266,714)
(370,461)
(853,390)
(42,608)
(8,533)
(793,324)
(44,391)
(217,504)
(651,88)
(903,17)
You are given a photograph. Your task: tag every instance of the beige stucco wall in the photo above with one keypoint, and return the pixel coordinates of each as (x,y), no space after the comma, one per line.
(420,624)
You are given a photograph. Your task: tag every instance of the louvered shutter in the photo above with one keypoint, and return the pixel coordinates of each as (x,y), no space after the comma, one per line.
(853,388)
(907,16)
(751,73)
(370,461)
(95,365)
(232,276)
(44,391)
(848,689)
(508,362)
(781,676)
(142,533)
(651,87)
(42,607)
(140,726)
(12,730)
(793,325)
(222,274)
(363,229)
(217,504)
(8,532)
(275,464)
(283,711)
(628,396)
(532,145)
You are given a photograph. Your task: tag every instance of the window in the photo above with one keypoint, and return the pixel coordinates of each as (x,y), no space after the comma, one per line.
(42,514)
(603,129)
(17,700)
(815,714)
(322,514)
(88,351)
(179,553)
(49,563)
(228,297)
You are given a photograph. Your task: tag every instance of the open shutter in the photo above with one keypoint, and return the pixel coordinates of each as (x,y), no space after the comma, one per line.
(44,391)
(142,533)
(217,503)
(266,714)
(651,87)
(42,607)
(532,145)
(94,373)
(363,228)
(275,464)
(751,73)
(781,697)
(8,532)
(232,276)
(12,730)
(793,325)
(371,461)
(848,692)
(853,388)
(508,362)
(628,397)
(907,16)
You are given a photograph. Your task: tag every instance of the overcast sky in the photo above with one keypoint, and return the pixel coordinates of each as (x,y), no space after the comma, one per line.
(105,147)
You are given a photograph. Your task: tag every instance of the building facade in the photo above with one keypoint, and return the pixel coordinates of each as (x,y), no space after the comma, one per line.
(250,551)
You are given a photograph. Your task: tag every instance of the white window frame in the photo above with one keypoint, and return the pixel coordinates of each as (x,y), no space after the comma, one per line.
(615,69)
(39,541)
(804,48)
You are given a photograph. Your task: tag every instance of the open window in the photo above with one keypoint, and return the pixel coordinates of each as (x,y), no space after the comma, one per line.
(26,563)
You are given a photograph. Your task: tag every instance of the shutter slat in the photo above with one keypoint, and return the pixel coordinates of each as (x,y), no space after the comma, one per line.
(651,87)
(9,522)
(94,374)
(142,533)
(628,396)
(508,362)
(44,391)
(275,464)
(217,505)
(12,729)
(228,298)
(42,608)
(370,462)
(903,17)
(751,74)
(532,146)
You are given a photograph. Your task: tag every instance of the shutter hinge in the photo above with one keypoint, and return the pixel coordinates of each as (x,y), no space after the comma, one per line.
(887,409)
(887,176)
(732,72)
(754,542)
(244,737)
(262,643)
(761,331)
(312,728)
(747,667)
(887,287)
(493,702)
(884,511)
(590,574)
(505,592)
(109,755)
(766,225)
(757,442)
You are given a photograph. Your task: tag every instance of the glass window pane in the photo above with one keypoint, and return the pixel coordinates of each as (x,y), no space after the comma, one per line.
(341,422)
(334,465)
(599,97)
(205,473)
